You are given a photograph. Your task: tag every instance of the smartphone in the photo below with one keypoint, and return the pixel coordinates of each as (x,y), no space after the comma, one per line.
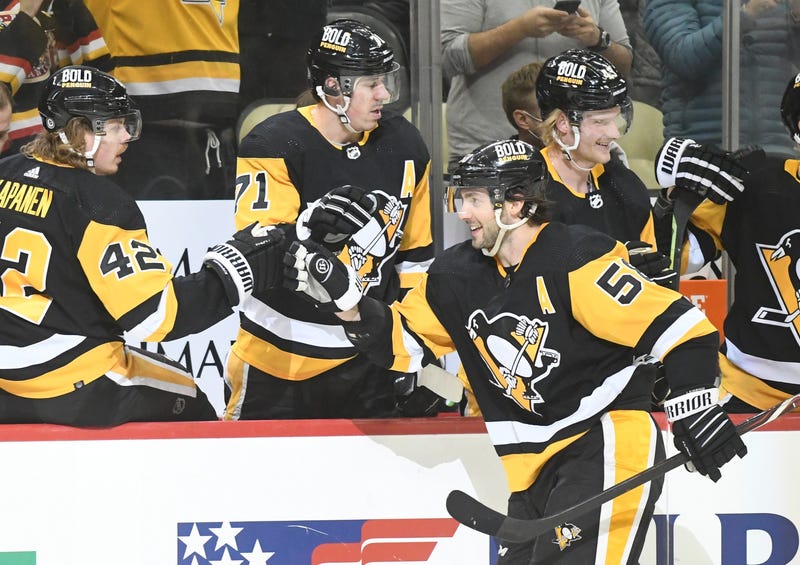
(568,6)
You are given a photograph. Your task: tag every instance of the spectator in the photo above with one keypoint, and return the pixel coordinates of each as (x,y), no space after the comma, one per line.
(518,95)
(687,35)
(547,327)
(34,42)
(756,224)
(274,38)
(78,270)
(482,42)
(5,115)
(645,76)
(180,61)
(291,360)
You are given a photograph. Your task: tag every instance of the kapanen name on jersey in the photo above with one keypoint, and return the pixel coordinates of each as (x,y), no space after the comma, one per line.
(25,198)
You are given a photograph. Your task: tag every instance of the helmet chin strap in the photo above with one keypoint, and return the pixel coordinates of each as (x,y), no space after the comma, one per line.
(89,155)
(339,110)
(505,228)
(566,149)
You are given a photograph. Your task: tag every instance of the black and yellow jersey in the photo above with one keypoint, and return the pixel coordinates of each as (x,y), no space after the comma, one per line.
(617,205)
(77,270)
(31,50)
(178,59)
(760,230)
(549,346)
(284,164)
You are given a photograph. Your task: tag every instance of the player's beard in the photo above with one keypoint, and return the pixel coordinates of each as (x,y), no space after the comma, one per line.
(488,236)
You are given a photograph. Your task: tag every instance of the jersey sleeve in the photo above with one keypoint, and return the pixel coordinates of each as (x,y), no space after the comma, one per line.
(136,286)
(22,41)
(615,302)
(415,254)
(265,192)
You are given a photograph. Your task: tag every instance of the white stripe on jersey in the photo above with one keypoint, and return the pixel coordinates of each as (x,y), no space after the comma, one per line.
(19,357)
(766,369)
(182,85)
(676,332)
(318,335)
(510,432)
(405,267)
(153,382)
(144,329)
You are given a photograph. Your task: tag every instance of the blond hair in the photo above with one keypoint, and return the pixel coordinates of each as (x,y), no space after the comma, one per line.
(49,145)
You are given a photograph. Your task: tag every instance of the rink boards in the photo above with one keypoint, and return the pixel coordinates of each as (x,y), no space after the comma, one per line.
(336,492)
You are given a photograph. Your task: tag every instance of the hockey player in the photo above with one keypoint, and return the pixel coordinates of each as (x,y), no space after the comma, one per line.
(547,326)
(289,359)
(756,223)
(585,108)
(77,270)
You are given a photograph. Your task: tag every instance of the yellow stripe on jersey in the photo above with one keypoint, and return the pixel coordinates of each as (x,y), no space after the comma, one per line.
(710,217)
(283,364)
(236,372)
(267,194)
(81,371)
(184,76)
(618,304)
(121,266)
(522,469)
(417,232)
(156,326)
(632,434)
(748,388)
(421,321)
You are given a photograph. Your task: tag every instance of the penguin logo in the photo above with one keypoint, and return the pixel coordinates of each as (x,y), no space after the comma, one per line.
(783,271)
(566,535)
(513,349)
(370,249)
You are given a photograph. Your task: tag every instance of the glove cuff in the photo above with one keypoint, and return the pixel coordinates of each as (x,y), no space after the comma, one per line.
(301,226)
(668,158)
(234,270)
(690,403)
(354,292)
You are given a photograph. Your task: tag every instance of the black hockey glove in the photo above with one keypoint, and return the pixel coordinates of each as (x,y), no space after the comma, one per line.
(652,264)
(314,271)
(709,172)
(703,431)
(332,219)
(250,262)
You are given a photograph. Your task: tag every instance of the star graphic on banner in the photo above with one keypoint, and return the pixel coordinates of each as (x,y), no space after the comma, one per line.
(194,543)
(194,560)
(257,556)
(226,559)
(226,535)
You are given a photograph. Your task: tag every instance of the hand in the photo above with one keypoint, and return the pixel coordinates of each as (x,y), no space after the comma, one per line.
(709,172)
(541,21)
(651,263)
(582,28)
(332,219)
(250,262)
(30,7)
(319,275)
(703,431)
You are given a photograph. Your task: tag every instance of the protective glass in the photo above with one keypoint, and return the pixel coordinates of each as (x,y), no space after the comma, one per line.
(599,119)
(389,80)
(454,200)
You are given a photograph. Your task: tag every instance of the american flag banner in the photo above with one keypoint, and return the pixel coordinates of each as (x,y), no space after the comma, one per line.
(327,542)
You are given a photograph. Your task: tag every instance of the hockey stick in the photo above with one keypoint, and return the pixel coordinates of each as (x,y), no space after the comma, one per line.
(480,517)
(775,318)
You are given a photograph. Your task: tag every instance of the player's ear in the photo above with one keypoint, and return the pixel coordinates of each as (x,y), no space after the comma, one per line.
(331,87)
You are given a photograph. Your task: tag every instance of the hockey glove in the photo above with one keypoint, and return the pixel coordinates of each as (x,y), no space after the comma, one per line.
(709,172)
(315,272)
(332,219)
(250,262)
(703,431)
(652,264)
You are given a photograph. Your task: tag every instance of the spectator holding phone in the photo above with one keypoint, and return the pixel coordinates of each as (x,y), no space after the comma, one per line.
(483,42)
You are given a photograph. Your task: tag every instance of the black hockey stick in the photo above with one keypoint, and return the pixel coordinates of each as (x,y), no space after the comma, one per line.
(480,517)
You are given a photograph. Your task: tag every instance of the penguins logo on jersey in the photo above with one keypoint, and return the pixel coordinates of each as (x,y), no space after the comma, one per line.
(513,348)
(217,5)
(566,535)
(377,242)
(782,265)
